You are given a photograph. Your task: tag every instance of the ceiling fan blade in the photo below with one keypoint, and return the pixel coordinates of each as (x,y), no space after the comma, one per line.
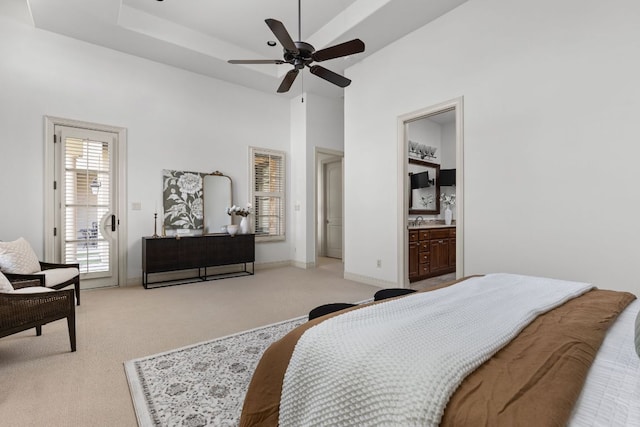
(288,81)
(342,49)
(330,76)
(282,35)
(255,61)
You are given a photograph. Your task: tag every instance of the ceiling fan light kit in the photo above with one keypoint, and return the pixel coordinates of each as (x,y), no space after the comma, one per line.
(301,54)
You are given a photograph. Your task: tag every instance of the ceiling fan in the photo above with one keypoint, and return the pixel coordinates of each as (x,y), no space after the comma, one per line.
(301,54)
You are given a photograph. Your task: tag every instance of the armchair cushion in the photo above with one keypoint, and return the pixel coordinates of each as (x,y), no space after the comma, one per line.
(55,276)
(5,284)
(33,290)
(18,257)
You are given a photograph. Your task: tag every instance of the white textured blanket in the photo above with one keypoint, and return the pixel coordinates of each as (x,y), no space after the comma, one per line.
(398,362)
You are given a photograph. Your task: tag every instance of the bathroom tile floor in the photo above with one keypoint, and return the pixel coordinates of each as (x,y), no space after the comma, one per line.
(433,281)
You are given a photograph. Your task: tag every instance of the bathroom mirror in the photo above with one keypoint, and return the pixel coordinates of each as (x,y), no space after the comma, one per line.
(216,198)
(424,187)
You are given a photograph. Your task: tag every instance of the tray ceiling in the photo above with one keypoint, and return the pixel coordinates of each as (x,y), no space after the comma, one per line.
(201,35)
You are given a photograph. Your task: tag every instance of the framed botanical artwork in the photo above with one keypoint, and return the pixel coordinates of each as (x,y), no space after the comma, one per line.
(182,199)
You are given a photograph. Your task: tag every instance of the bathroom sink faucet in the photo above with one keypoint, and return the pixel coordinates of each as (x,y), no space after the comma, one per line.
(415,221)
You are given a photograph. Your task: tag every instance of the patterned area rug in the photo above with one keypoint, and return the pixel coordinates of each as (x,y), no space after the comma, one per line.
(202,384)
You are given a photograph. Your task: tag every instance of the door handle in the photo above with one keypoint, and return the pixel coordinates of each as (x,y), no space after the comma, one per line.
(113,223)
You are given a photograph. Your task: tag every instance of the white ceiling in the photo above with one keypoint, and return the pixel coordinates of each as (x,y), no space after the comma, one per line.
(201,35)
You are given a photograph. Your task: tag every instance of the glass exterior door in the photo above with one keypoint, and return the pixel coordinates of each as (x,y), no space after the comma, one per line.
(87,221)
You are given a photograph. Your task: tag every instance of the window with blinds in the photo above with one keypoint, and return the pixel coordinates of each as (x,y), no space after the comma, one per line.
(268,190)
(87,196)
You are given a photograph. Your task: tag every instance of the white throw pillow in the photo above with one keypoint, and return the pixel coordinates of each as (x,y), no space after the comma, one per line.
(18,257)
(5,284)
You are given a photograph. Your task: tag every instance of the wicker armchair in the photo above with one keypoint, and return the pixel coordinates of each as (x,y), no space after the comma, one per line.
(22,311)
(53,281)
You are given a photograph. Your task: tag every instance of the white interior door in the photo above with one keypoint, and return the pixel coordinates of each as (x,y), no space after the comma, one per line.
(86,203)
(333,203)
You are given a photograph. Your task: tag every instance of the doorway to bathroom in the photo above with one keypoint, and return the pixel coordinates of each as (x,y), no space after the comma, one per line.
(430,188)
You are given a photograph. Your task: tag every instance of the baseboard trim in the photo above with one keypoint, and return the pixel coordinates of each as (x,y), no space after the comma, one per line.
(176,275)
(274,264)
(370,280)
(137,281)
(190,274)
(186,274)
(133,281)
(304,265)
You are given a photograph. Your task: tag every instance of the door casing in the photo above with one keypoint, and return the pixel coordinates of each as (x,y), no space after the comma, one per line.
(403,198)
(49,192)
(319,155)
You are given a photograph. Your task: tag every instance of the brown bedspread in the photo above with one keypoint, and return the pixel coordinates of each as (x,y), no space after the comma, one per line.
(538,376)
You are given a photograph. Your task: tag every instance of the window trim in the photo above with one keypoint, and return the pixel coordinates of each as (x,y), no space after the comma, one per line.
(253,151)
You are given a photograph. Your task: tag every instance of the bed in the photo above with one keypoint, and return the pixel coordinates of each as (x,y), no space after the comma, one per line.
(514,349)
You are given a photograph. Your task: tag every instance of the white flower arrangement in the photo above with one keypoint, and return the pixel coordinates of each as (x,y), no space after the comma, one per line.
(236,210)
(448,199)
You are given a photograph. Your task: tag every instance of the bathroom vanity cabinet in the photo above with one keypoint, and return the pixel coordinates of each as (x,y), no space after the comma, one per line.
(432,252)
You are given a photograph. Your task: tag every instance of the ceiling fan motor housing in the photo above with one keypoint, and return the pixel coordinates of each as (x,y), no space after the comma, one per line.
(302,58)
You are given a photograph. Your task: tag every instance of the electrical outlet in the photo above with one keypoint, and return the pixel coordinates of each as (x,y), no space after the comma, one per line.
(379,263)
(136,206)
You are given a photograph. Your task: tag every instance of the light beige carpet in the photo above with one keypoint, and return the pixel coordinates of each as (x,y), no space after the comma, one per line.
(44,384)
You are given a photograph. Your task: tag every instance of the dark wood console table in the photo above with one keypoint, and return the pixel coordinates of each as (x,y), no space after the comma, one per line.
(164,254)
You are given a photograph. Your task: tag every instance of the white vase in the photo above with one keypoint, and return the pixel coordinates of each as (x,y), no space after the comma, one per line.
(447,216)
(244,225)
(232,229)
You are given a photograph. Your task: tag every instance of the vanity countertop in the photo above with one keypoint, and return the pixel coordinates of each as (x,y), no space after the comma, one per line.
(430,224)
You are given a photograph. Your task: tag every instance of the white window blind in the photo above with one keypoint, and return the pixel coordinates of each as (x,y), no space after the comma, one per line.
(268,193)
(87,196)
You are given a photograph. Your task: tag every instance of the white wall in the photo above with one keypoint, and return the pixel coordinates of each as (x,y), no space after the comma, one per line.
(315,123)
(175,120)
(429,133)
(299,180)
(325,130)
(551,102)
(326,122)
(448,157)
(448,160)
